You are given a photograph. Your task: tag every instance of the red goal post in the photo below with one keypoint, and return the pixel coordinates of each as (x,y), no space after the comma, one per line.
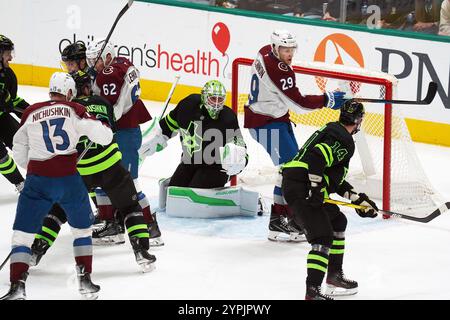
(339,74)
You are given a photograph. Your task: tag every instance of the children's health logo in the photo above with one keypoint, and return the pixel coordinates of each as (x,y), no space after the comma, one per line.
(221,36)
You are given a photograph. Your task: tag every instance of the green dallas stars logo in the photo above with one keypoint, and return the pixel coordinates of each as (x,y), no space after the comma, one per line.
(191,142)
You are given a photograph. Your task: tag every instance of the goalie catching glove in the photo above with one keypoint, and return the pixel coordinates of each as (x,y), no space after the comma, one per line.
(155,141)
(233,158)
(371,210)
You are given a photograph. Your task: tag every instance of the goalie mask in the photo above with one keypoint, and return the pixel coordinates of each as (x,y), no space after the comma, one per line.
(352,112)
(213,97)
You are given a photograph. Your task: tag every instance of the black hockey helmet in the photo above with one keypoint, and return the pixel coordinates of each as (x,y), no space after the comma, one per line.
(74,52)
(352,112)
(82,79)
(5,43)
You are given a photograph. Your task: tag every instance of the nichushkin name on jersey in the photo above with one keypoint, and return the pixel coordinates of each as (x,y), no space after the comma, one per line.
(51,112)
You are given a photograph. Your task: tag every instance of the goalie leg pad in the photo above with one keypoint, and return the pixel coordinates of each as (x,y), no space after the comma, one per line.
(211,203)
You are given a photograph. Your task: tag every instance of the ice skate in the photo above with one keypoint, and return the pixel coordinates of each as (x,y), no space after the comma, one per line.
(143,258)
(108,234)
(338,285)
(38,250)
(87,289)
(314,293)
(17,290)
(155,234)
(281,229)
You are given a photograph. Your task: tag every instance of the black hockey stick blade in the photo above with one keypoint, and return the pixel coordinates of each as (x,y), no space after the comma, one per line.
(445,207)
(6,260)
(431,93)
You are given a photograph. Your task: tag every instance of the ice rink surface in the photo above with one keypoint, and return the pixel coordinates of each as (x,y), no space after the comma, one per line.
(232,258)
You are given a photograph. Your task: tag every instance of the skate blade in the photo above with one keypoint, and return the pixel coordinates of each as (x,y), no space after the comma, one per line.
(156,242)
(334,291)
(147,267)
(90,295)
(283,237)
(107,241)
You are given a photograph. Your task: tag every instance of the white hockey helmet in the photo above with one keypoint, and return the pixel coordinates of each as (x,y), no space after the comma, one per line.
(282,38)
(94,48)
(62,83)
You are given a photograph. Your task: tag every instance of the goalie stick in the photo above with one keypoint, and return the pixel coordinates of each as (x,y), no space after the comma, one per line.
(443,208)
(431,93)
(166,103)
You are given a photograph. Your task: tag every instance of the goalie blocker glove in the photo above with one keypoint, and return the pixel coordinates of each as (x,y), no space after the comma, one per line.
(233,158)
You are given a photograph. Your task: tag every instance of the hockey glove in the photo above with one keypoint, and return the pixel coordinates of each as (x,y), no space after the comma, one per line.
(334,99)
(362,199)
(155,141)
(6,103)
(316,195)
(233,158)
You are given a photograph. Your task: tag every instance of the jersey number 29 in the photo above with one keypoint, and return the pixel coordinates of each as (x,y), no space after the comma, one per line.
(59,132)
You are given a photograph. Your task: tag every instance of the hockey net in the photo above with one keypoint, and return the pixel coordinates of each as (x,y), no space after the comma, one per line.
(385,164)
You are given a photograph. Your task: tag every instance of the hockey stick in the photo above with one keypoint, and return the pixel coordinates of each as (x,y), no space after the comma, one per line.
(431,93)
(166,103)
(445,207)
(121,13)
(6,260)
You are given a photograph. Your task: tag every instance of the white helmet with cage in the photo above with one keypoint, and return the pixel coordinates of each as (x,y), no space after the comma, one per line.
(94,49)
(282,38)
(63,83)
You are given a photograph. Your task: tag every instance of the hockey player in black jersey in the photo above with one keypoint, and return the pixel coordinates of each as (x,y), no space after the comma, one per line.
(318,169)
(9,103)
(212,143)
(101,167)
(205,125)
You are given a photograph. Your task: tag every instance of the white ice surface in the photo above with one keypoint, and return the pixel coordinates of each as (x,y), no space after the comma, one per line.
(232,258)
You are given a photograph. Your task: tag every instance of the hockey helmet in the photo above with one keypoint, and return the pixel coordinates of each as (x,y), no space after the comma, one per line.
(74,52)
(94,49)
(6,44)
(352,112)
(62,83)
(282,38)
(213,97)
(82,80)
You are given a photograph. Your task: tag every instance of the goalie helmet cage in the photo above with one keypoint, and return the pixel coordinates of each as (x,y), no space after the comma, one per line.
(389,167)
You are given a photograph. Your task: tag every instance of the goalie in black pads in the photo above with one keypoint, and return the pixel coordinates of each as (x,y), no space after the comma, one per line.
(318,169)
(213,150)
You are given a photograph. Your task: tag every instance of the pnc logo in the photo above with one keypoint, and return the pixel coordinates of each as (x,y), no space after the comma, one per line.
(338,48)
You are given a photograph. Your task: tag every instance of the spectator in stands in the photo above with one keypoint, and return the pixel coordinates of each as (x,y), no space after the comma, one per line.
(427,16)
(226,3)
(444,28)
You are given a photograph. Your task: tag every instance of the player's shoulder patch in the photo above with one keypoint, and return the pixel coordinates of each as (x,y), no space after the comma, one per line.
(108,70)
(283,66)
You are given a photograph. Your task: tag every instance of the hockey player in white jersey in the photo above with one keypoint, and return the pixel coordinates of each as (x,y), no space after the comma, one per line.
(273,94)
(45,144)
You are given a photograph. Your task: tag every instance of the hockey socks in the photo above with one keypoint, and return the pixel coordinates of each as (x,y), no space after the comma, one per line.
(137,228)
(51,225)
(8,168)
(337,252)
(317,264)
